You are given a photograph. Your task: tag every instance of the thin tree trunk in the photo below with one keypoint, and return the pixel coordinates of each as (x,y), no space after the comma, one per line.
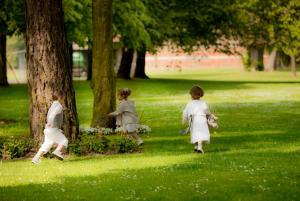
(133,64)
(272,61)
(103,77)
(89,63)
(140,65)
(293,65)
(48,66)
(3,70)
(125,66)
(257,58)
(117,59)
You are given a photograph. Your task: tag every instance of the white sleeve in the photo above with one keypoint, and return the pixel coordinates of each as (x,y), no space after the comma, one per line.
(55,109)
(120,109)
(185,115)
(206,108)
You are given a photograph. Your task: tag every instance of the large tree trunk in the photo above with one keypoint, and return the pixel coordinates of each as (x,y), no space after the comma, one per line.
(103,77)
(293,65)
(125,66)
(140,65)
(3,72)
(71,57)
(89,63)
(48,66)
(257,58)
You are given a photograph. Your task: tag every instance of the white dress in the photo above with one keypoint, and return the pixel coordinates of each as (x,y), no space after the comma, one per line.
(53,133)
(195,112)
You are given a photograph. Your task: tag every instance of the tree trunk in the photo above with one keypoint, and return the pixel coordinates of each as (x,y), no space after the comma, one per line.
(293,65)
(3,70)
(89,63)
(71,57)
(117,59)
(140,65)
(272,61)
(257,58)
(103,77)
(125,66)
(48,66)
(133,64)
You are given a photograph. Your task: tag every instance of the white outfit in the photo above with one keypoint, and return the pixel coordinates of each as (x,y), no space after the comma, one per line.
(195,112)
(53,133)
(126,116)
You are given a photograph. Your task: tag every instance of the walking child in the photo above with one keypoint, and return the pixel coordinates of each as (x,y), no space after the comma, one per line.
(195,113)
(53,133)
(126,116)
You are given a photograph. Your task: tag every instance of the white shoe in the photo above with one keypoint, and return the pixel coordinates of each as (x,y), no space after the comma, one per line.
(200,150)
(140,142)
(36,160)
(58,155)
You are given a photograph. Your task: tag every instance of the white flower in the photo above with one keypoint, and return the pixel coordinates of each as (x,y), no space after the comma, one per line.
(106,131)
(119,130)
(143,129)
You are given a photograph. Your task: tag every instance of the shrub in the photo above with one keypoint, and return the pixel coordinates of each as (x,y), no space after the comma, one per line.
(94,142)
(126,145)
(15,147)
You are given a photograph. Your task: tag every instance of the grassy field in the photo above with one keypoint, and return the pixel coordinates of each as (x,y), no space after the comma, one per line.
(255,155)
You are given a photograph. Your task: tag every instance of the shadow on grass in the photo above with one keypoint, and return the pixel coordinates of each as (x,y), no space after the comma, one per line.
(239,176)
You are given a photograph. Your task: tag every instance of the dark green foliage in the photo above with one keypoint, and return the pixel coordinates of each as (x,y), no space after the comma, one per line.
(12,16)
(95,143)
(78,21)
(14,147)
(126,145)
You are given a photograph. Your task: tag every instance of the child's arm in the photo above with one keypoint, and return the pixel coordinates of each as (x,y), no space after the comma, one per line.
(119,111)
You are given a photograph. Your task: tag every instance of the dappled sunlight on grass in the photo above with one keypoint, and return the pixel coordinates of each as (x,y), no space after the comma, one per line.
(254,155)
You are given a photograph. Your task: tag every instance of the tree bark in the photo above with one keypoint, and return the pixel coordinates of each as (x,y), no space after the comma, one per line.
(293,65)
(125,66)
(117,59)
(71,57)
(140,65)
(133,64)
(48,66)
(3,70)
(272,61)
(103,76)
(257,58)
(89,63)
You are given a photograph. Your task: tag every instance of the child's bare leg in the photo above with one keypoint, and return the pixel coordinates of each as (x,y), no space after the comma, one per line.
(58,151)
(137,137)
(59,148)
(196,146)
(199,148)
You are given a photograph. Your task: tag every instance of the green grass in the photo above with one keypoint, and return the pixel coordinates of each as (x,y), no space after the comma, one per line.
(255,155)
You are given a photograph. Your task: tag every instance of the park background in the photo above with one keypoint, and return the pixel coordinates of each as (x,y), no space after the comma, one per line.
(244,54)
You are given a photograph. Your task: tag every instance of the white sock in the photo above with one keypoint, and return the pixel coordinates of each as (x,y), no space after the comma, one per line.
(199,145)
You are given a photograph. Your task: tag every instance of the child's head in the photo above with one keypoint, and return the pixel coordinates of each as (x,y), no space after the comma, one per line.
(123,93)
(54,97)
(196,92)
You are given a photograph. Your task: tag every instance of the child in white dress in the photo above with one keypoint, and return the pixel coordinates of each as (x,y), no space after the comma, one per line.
(195,114)
(126,116)
(53,133)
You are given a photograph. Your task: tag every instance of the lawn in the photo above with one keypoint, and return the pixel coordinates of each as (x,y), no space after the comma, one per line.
(255,155)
